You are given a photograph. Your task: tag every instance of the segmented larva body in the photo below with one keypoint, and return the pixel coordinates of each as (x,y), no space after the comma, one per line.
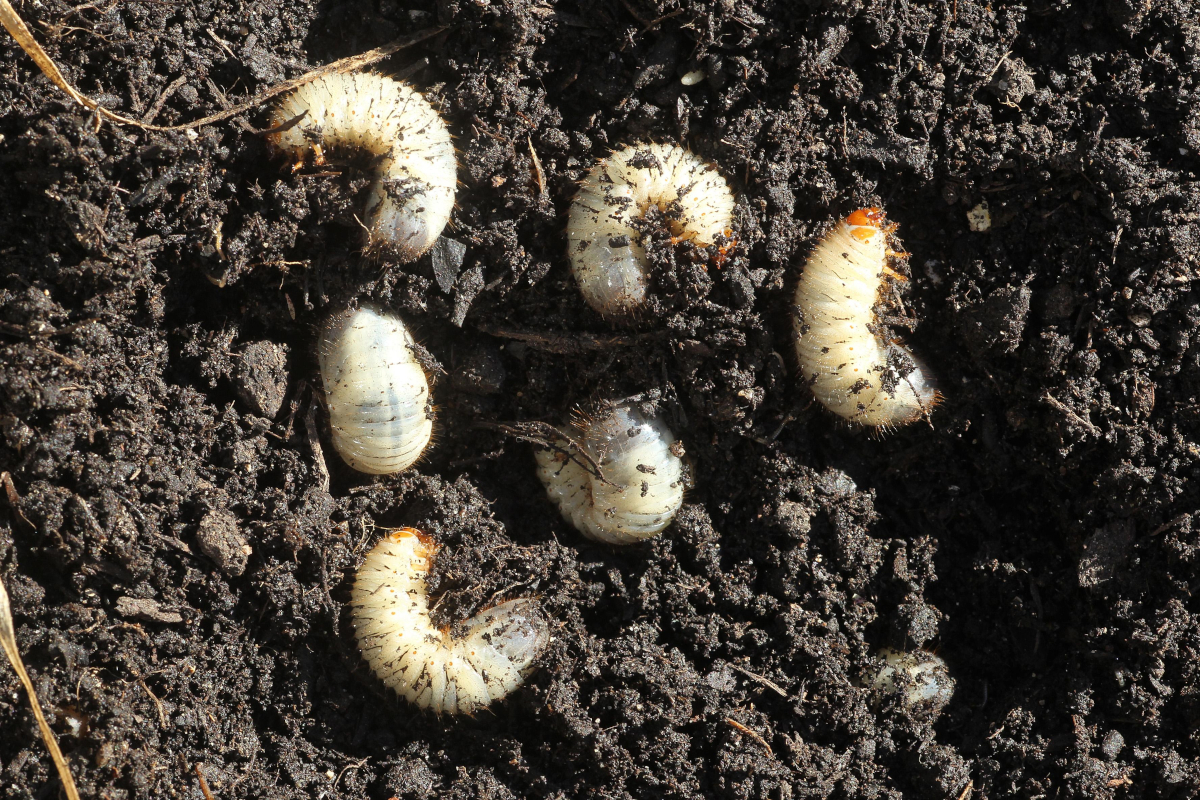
(640,484)
(854,372)
(422,663)
(920,678)
(376,391)
(607,256)
(413,193)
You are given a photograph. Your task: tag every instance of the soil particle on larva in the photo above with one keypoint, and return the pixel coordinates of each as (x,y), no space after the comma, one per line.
(139,267)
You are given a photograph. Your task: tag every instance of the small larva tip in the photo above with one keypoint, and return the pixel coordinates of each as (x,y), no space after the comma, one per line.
(428,666)
(641,481)
(604,241)
(413,193)
(376,391)
(854,372)
(920,678)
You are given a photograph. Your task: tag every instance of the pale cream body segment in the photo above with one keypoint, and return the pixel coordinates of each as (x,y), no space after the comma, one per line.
(851,370)
(604,242)
(380,413)
(416,173)
(428,666)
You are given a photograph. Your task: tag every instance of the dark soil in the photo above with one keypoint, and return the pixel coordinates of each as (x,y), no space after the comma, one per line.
(158,307)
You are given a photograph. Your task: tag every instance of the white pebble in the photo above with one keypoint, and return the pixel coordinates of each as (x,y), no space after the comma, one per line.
(605,244)
(641,481)
(413,193)
(376,391)
(853,372)
(425,665)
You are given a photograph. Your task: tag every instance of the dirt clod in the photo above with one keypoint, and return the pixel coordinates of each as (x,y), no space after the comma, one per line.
(261,377)
(219,538)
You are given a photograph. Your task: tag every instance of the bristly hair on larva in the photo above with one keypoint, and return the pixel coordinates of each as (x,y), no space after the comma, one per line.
(365,113)
(854,370)
(380,412)
(604,241)
(617,475)
(428,666)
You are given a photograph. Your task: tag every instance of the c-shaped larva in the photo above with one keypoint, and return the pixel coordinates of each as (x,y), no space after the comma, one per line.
(854,372)
(376,391)
(426,665)
(640,481)
(413,193)
(605,247)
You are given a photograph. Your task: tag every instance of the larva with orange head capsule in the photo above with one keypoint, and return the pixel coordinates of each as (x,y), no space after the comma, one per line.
(428,666)
(413,192)
(607,256)
(640,483)
(376,391)
(855,373)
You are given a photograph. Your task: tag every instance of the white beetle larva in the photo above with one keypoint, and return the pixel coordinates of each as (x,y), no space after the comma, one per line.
(640,483)
(921,678)
(413,193)
(376,391)
(426,665)
(852,370)
(607,256)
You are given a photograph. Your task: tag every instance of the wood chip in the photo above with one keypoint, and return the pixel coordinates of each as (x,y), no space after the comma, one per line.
(146,609)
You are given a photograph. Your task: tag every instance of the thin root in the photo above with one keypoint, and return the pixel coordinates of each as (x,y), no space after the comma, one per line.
(21,33)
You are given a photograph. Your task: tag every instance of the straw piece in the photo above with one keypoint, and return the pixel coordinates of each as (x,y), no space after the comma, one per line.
(8,640)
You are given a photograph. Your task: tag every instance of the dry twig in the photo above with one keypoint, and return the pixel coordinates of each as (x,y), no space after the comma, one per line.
(753,734)
(570,343)
(770,684)
(208,795)
(21,33)
(314,443)
(543,434)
